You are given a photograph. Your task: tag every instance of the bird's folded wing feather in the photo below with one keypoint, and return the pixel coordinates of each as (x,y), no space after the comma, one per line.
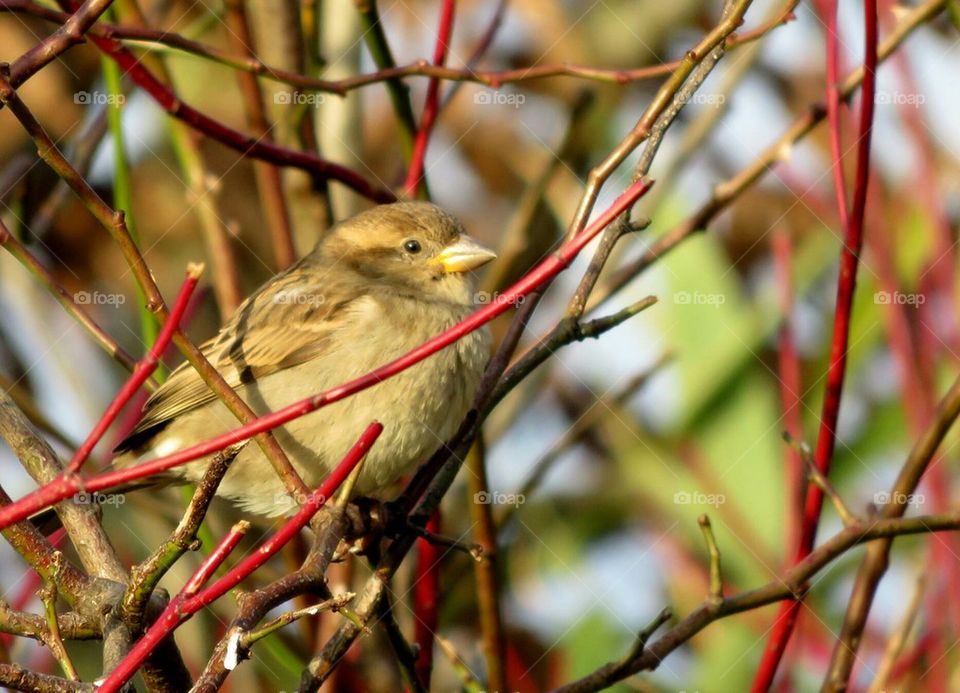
(264,336)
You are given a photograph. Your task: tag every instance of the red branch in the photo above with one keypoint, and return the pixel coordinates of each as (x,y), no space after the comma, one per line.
(426,599)
(432,104)
(65,486)
(192,598)
(248,146)
(846,284)
(141,371)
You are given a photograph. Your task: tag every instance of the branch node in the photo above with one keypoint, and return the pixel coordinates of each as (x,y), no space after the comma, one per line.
(643,637)
(819,479)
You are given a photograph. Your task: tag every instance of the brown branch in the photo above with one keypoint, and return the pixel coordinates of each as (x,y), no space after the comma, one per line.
(92,545)
(487,571)
(84,593)
(729,190)
(898,639)
(16,678)
(79,519)
(660,103)
(253,606)
(145,576)
(406,657)
(874,564)
(391,74)
(788,586)
(269,182)
(74,27)
(72,625)
(565,332)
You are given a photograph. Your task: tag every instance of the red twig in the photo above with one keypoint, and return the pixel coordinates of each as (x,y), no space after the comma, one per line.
(193,597)
(846,284)
(426,592)
(65,486)
(432,104)
(141,371)
(829,8)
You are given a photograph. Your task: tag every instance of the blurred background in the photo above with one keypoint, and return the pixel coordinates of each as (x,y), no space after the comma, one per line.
(628,438)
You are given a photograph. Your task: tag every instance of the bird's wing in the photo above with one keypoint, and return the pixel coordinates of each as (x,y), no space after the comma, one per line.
(282,325)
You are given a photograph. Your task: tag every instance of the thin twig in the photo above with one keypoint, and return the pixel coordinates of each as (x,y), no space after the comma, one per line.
(408,657)
(898,639)
(487,572)
(729,190)
(269,182)
(336,604)
(787,586)
(53,640)
(388,72)
(716,578)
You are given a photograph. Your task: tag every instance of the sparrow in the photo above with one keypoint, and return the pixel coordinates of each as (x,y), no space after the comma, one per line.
(374,287)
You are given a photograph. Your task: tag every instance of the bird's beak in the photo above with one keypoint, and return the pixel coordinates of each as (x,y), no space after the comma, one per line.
(464,255)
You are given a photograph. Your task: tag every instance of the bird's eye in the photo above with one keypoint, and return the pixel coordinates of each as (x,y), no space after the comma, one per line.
(412,246)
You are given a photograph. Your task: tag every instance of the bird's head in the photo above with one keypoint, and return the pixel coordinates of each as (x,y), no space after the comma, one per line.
(412,245)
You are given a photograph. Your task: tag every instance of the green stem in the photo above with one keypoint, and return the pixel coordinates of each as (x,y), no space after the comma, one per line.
(376,41)
(122,193)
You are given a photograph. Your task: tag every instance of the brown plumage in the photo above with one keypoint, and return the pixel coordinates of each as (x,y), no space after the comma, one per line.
(374,287)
